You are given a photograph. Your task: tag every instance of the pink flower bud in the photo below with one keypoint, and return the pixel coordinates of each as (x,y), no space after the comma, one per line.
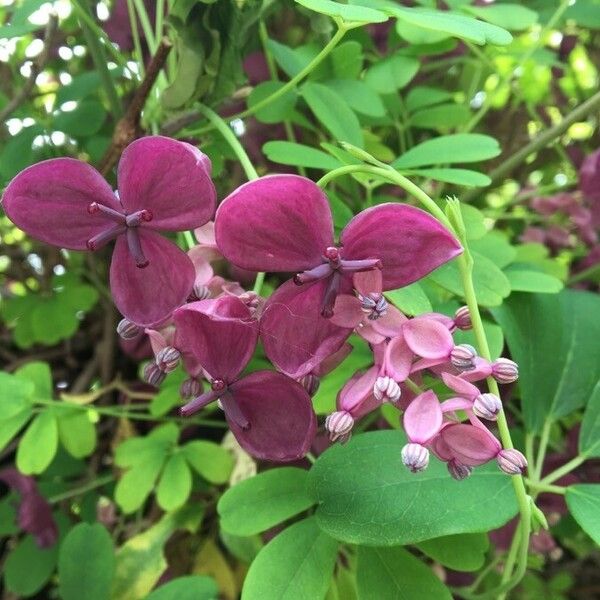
(505,370)
(462,318)
(167,359)
(487,406)
(415,457)
(153,375)
(310,383)
(463,357)
(511,461)
(128,330)
(386,390)
(339,425)
(190,388)
(458,470)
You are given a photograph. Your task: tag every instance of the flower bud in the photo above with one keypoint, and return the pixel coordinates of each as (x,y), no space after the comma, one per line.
(386,390)
(373,305)
(415,457)
(190,388)
(463,356)
(167,359)
(505,370)
(153,375)
(487,406)
(310,383)
(458,470)
(462,318)
(200,291)
(339,425)
(511,461)
(128,330)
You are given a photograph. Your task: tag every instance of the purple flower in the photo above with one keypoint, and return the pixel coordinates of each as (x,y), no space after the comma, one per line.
(270,414)
(164,185)
(283,223)
(34,514)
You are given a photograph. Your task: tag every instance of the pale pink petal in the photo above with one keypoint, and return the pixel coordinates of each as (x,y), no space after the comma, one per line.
(423,418)
(428,338)
(472,446)
(397,359)
(460,386)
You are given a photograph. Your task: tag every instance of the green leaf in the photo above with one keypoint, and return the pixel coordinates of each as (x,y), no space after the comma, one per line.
(422,96)
(523,279)
(514,17)
(141,560)
(290,60)
(276,111)
(86,563)
(136,484)
(299,155)
(346,12)
(554,338)
(583,501)
(39,374)
(441,117)
(589,435)
(365,495)
(83,121)
(265,500)
(474,221)
(462,552)
(211,461)
(11,426)
(389,75)
(76,432)
(190,587)
(333,112)
(38,446)
(495,246)
(464,177)
(15,395)
(491,284)
(411,299)
(360,96)
(392,573)
(175,483)
(347,60)
(295,565)
(449,149)
(28,568)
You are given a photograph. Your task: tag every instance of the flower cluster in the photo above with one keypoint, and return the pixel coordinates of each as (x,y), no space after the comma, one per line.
(333,287)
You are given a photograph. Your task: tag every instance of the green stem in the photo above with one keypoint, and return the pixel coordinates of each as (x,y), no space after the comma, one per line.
(413,386)
(539,463)
(137,44)
(540,487)
(594,270)
(99,57)
(146,25)
(82,489)
(564,470)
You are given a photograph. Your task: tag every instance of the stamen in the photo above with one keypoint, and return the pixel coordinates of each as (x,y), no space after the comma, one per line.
(95,208)
(355,266)
(135,219)
(331,293)
(320,272)
(104,237)
(199,403)
(135,248)
(234,411)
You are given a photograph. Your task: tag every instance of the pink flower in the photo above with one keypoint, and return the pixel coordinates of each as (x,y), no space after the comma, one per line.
(164,185)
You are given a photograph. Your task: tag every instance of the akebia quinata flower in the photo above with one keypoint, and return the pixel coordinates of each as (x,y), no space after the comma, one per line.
(163,185)
(283,223)
(269,413)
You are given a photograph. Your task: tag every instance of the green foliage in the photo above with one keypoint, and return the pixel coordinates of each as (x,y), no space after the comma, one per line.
(191,587)
(461,552)
(381,503)
(583,501)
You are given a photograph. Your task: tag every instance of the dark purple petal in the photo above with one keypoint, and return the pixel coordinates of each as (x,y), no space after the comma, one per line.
(409,242)
(50,200)
(282,423)
(220,333)
(275,223)
(149,295)
(169,178)
(295,336)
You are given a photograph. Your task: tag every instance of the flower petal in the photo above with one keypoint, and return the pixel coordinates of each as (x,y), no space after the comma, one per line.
(220,333)
(333,360)
(428,338)
(357,391)
(347,311)
(296,337)
(460,386)
(368,282)
(472,446)
(49,201)
(275,223)
(409,241)
(390,324)
(397,359)
(149,295)
(423,418)
(169,178)
(279,410)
